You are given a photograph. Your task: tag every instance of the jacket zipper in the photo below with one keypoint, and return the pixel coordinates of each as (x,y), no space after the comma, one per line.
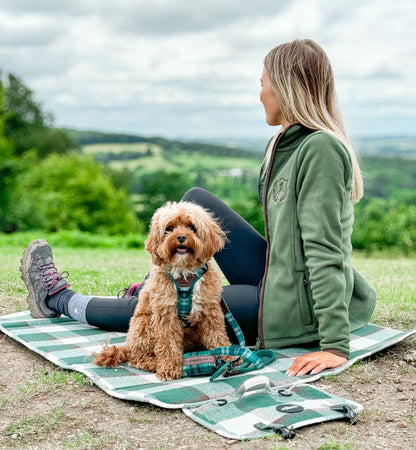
(260,341)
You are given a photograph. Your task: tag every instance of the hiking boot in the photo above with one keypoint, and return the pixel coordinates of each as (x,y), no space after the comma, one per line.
(131,291)
(41,278)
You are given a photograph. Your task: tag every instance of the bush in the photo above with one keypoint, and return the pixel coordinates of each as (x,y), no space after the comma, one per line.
(157,188)
(71,192)
(251,210)
(382,224)
(74,239)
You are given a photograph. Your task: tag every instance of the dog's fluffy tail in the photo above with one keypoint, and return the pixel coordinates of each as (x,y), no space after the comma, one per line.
(112,355)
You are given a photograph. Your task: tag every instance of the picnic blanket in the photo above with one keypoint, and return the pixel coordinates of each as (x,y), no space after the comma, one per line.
(70,344)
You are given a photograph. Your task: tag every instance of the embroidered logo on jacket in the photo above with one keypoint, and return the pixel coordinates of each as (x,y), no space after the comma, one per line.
(280,188)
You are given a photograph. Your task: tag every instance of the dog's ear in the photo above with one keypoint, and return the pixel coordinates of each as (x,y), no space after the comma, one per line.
(153,242)
(216,238)
(151,245)
(213,236)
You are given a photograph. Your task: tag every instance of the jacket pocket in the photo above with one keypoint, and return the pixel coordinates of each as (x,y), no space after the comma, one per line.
(305,301)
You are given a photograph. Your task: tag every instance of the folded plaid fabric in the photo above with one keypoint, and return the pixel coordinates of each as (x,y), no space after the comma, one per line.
(256,410)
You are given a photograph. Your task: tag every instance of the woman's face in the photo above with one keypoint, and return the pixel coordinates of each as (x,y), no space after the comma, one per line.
(271,105)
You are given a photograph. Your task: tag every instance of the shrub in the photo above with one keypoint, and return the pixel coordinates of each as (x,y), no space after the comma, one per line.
(71,192)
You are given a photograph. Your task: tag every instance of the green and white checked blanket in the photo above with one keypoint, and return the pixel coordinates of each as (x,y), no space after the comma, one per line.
(70,344)
(256,410)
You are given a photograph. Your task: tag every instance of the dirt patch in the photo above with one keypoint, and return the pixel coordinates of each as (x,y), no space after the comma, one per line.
(44,407)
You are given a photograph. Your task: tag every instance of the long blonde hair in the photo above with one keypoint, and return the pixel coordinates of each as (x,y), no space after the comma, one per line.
(302,79)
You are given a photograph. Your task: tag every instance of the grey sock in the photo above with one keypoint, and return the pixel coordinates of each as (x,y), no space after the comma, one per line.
(77,307)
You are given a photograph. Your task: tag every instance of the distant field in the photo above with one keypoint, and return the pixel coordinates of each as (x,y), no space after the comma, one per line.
(176,160)
(142,147)
(147,164)
(215,162)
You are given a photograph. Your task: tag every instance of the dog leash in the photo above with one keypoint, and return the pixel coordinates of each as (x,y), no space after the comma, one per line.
(209,362)
(251,361)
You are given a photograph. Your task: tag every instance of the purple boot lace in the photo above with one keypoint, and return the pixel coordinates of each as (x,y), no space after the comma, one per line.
(50,276)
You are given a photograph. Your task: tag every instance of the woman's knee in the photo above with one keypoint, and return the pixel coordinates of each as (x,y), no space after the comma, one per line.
(195,194)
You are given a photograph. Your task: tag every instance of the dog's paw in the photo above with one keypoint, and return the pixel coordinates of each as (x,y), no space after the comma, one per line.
(145,362)
(169,373)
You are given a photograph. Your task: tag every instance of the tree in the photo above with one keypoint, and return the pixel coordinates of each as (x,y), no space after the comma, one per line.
(157,188)
(250,210)
(7,163)
(26,125)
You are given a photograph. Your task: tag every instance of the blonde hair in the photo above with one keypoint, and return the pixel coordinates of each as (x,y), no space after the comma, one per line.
(302,79)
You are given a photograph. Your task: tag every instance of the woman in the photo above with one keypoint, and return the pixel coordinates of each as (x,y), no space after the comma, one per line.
(298,285)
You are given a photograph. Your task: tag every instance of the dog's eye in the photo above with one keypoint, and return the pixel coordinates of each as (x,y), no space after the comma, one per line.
(169,229)
(193,228)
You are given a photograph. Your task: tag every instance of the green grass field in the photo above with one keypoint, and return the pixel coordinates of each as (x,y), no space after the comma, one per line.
(104,271)
(92,271)
(186,162)
(137,147)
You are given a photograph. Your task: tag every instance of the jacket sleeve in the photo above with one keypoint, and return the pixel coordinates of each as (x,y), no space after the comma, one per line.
(323,188)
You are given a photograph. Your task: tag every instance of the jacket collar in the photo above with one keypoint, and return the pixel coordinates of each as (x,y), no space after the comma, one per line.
(291,136)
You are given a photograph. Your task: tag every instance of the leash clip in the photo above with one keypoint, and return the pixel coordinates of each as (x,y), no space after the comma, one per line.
(231,368)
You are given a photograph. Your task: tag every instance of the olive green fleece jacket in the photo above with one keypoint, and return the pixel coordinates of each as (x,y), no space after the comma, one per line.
(310,291)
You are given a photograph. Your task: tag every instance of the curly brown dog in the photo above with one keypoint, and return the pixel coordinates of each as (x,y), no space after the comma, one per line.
(183,238)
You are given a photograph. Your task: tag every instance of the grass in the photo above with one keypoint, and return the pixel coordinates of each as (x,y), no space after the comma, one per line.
(88,441)
(333,445)
(395,283)
(214,164)
(38,424)
(45,381)
(104,271)
(74,239)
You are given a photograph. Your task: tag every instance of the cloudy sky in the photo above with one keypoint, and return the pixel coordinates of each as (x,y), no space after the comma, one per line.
(191,68)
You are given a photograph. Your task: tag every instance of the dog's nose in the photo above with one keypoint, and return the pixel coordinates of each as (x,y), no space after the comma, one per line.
(181,238)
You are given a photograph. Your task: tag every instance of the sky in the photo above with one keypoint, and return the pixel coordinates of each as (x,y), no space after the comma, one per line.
(191,68)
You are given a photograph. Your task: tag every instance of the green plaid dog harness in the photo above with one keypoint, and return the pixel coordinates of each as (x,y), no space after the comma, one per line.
(184,290)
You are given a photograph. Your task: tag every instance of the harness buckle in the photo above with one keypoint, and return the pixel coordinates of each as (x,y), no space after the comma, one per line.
(183,293)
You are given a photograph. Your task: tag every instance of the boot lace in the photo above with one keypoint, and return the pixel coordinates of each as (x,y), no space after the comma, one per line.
(50,275)
(123,293)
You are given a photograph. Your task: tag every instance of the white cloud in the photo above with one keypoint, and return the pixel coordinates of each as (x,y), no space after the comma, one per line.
(180,67)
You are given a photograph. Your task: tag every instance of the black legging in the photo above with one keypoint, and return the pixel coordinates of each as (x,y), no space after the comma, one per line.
(242,261)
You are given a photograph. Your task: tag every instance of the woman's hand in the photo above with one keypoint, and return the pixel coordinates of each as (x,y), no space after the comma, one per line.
(315,362)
